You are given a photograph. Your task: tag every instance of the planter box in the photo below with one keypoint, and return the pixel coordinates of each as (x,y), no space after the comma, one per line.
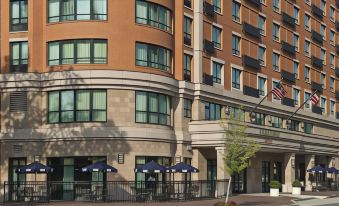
(296,190)
(274,192)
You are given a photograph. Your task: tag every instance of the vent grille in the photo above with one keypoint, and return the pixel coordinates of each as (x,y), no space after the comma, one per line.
(18,102)
(17,148)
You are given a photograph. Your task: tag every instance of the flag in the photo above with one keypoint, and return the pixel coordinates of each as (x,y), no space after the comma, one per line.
(279,91)
(315,99)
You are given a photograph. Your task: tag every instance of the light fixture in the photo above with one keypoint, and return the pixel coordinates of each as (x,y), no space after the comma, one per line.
(293,161)
(121,158)
(37,158)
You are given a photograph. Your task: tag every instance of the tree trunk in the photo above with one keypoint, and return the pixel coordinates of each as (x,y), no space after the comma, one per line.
(228,189)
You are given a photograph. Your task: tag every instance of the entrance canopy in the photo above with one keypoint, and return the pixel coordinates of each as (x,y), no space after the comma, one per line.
(151,167)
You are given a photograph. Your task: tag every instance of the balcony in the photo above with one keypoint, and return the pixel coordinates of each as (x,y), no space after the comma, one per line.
(317,110)
(337,115)
(187,41)
(255,3)
(337,48)
(317,63)
(288,102)
(288,48)
(19,27)
(209,47)
(317,11)
(208,9)
(251,30)
(288,76)
(337,25)
(316,86)
(337,3)
(187,77)
(317,37)
(251,62)
(188,3)
(208,79)
(337,95)
(21,68)
(337,71)
(287,19)
(250,91)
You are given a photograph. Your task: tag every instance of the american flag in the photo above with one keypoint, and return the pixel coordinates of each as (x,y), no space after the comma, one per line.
(315,99)
(279,91)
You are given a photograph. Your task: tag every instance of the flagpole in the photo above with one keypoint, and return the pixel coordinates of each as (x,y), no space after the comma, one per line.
(256,106)
(301,105)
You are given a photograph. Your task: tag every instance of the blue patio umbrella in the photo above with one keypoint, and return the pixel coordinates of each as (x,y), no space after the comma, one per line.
(183,168)
(35,168)
(99,167)
(332,170)
(151,167)
(317,169)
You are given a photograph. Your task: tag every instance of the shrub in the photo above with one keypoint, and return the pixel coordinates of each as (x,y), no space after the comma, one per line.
(274,184)
(231,203)
(296,183)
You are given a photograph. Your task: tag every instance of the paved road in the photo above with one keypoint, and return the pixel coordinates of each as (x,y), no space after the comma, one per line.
(319,202)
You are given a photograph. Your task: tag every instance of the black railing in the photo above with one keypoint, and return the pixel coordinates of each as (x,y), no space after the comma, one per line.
(317,110)
(316,62)
(117,191)
(251,30)
(288,19)
(317,11)
(288,48)
(251,62)
(337,48)
(21,68)
(288,102)
(317,37)
(188,3)
(250,91)
(337,3)
(209,9)
(337,95)
(209,47)
(337,71)
(187,41)
(255,3)
(208,79)
(288,76)
(317,86)
(337,25)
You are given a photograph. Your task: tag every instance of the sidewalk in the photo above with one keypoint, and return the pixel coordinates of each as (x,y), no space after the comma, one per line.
(319,202)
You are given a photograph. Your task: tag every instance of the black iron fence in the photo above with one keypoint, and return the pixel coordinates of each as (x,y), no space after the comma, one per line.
(115,191)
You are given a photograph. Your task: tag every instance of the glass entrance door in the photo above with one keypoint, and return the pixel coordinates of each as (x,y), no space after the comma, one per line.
(265,176)
(17,180)
(239,182)
(211,176)
(277,173)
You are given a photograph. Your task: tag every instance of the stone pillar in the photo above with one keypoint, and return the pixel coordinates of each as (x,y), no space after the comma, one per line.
(289,167)
(198,46)
(199,161)
(198,109)
(309,163)
(221,187)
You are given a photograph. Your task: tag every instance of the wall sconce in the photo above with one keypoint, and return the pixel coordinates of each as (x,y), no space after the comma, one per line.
(333,162)
(121,158)
(227,111)
(177,159)
(37,158)
(293,161)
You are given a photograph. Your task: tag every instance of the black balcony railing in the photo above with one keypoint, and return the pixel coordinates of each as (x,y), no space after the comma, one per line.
(337,25)
(288,48)
(288,102)
(317,86)
(337,71)
(287,19)
(208,79)
(337,48)
(209,47)
(187,41)
(317,11)
(250,91)
(337,3)
(337,95)
(187,77)
(209,9)
(188,3)
(122,191)
(337,115)
(317,110)
(251,30)
(21,68)
(317,37)
(288,76)
(255,3)
(316,62)
(251,62)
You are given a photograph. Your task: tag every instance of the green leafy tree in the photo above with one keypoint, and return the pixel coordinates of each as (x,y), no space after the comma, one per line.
(239,149)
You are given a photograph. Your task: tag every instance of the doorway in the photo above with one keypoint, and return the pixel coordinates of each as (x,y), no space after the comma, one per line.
(265,176)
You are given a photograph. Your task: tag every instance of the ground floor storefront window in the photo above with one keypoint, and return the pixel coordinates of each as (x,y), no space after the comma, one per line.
(239,182)
(18,179)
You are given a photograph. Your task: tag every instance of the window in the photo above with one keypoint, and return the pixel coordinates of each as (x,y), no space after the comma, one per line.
(69,10)
(322,80)
(307,74)
(332,37)
(152,108)
(263,1)
(276,122)
(261,55)
(294,125)
(77,106)
(323,56)
(332,13)
(235,45)
(154,15)
(332,86)
(262,24)
(187,31)
(332,107)
(323,104)
(307,97)
(258,118)
(308,128)
(19,56)
(153,56)
(276,60)
(296,69)
(276,32)
(80,51)
(217,70)
(212,111)
(323,6)
(332,60)
(276,5)
(296,96)
(187,67)
(235,11)
(237,113)
(217,6)
(296,41)
(307,48)
(323,31)
(236,78)
(216,37)
(188,108)
(19,15)
(307,22)
(296,14)
(262,86)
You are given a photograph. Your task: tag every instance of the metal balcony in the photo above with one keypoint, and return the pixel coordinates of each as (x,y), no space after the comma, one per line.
(288,102)
(317,110)
(251,30)
(316,62)
(317,86)
(317,37)
(317,11)
(208,9)
(250,91)
(208,79)
(288,76)
(287,19)
(288,48)
(251,62)
(209,47)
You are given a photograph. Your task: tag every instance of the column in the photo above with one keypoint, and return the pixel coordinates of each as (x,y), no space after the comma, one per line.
(309,163)
(199,161)
(289,166)
(198,46)
(221,187)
